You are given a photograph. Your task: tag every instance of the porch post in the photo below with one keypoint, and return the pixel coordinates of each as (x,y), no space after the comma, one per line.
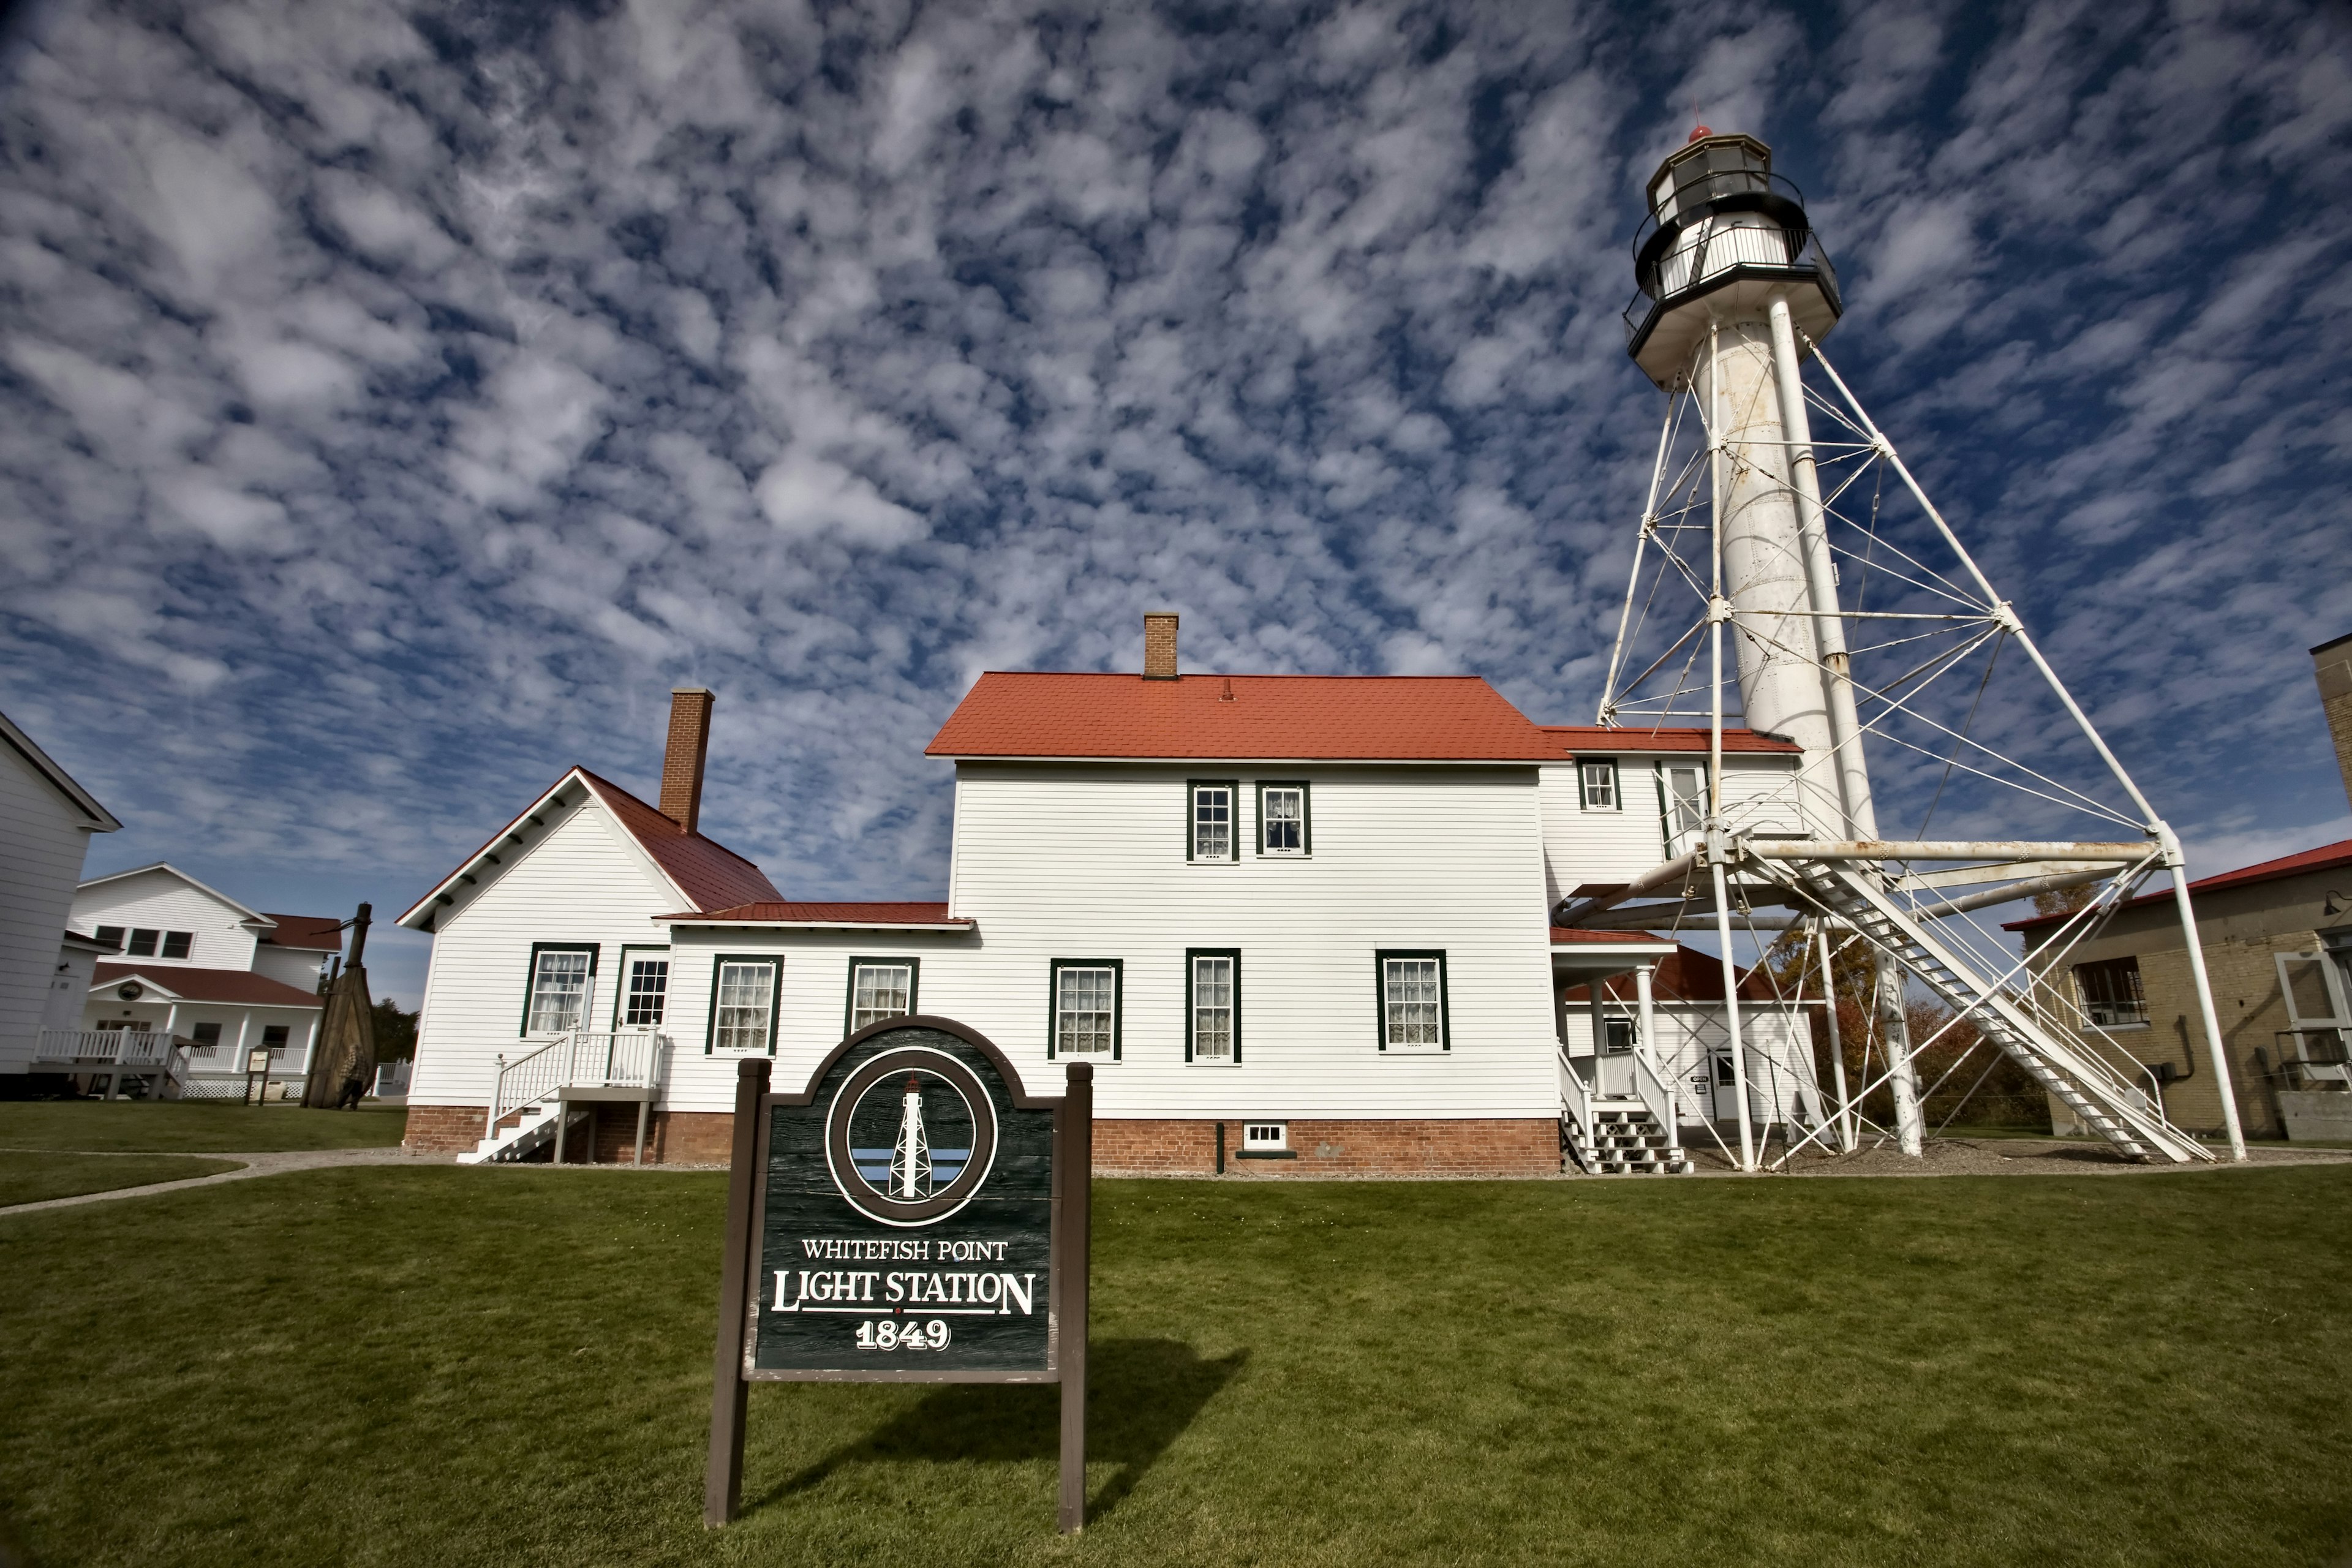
(1647,1045)
(1599,1029)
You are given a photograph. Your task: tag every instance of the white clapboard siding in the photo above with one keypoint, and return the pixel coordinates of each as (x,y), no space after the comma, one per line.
(162,901)
(582,881)
(42,841)
(1088,861)
(1581,845)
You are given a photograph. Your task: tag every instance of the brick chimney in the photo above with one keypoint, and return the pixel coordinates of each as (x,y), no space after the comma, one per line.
(690,742)
(2332,662)
(1160,645)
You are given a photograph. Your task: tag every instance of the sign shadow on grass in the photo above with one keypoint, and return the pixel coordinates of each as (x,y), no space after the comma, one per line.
(1140,1396)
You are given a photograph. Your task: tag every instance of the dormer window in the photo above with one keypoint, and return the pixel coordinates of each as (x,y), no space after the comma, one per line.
(1210,826)
(1598,783)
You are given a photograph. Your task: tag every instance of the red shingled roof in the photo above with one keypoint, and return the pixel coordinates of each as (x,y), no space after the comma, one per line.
(1352,718)
(709,873)
(239,986)
(1599,741)
(311,933)
(778,912)
(2326,857)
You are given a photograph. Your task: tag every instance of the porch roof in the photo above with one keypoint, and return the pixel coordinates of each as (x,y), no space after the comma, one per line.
(239,988)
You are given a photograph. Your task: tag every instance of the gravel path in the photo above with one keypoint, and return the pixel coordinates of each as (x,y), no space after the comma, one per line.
(2008,1157)
(269,1165)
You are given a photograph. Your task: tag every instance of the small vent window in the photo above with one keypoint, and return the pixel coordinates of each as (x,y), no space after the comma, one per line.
(1265,1135)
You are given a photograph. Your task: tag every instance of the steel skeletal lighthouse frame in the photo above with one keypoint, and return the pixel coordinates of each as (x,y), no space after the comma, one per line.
(1861,627)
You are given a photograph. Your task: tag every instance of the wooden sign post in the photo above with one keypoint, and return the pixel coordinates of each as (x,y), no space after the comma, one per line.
(907,1216)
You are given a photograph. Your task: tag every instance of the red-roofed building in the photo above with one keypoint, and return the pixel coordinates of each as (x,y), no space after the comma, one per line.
(189,964)
(553,930)
(2277,940)
(1317,907)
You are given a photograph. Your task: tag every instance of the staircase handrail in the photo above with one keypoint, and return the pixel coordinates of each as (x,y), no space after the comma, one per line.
(1657,1097)
(1576,1095)
(573,1058)
(534,1065)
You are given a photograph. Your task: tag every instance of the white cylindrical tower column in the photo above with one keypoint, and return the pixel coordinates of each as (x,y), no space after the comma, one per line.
(1764,572)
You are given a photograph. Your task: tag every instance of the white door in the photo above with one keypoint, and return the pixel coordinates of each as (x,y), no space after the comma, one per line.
(1681,804)
(2317,1018)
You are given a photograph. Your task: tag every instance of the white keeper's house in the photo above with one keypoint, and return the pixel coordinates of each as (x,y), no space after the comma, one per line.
(213,980)
(46,823)
(1297,920)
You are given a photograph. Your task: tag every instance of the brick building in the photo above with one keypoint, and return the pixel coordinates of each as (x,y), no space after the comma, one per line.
(2277,938)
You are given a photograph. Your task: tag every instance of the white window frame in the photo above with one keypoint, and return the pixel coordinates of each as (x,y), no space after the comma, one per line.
(1196,1007)
(1604,771)
(1680,837)
(1385,964)
(1059,1039)
(855,1016)
(1265,1136)
(740,1035)
(626,1002)
(1266,821)
(1200,835)
(536,991)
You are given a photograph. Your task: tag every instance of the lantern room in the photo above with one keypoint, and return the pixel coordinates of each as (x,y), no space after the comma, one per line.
(1725,238)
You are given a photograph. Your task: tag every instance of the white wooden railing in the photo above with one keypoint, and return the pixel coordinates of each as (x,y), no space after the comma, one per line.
(1574,1092)
(1657,1097)
(125,1050)
(631,1059)
(118,1047)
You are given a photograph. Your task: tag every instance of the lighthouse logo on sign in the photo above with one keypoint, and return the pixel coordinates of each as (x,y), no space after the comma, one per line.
(910,1137)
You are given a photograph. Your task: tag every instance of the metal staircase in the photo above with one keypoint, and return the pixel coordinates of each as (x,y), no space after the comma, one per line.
(2101,1100)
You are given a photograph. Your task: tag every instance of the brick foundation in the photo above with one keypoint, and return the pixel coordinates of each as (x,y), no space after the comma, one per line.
(1123,1147)
(1387,1147)
(672,1137)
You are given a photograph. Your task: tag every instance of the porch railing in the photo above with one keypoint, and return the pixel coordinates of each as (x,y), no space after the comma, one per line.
(629,1058)
(116,1048)
(124,1050)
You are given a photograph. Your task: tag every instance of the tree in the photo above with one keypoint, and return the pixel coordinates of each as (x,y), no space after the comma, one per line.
(1987,1086)
(395,1032)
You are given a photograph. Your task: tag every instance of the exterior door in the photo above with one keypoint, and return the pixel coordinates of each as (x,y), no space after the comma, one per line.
(2320,1025)
(1726,1090)
(1615,1068)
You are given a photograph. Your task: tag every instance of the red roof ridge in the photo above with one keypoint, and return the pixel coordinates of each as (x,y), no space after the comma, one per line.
(2320,858)
(1116,716)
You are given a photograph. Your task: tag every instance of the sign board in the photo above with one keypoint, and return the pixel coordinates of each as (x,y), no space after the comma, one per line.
(257,1059)
(908,1215)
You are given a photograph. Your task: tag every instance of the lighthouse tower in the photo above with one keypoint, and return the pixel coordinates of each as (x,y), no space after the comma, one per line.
(1731,273)
(1736,297)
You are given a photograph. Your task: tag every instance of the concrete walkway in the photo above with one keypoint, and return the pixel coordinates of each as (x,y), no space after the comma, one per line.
(269,1165)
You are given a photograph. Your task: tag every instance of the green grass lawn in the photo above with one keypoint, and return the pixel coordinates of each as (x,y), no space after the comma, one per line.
(509,1366)
(192,1126)
(35,1178)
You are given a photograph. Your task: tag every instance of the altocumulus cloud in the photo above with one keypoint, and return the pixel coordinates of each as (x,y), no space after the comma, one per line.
(399,399)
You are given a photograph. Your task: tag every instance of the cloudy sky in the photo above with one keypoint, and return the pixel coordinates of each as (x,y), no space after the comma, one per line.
(396,401)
